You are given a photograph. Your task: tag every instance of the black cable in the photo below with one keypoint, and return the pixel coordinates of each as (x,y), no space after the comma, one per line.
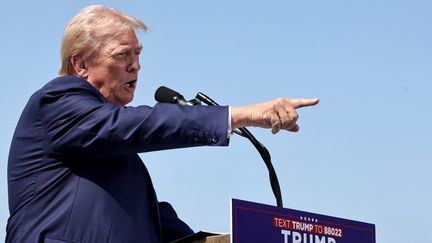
(265,155)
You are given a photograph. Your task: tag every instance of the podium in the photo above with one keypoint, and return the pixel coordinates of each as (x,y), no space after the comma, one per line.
(259,223)
(205,237)
(213,239)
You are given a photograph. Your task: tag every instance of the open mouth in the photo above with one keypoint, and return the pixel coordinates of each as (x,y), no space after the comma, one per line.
(131,84)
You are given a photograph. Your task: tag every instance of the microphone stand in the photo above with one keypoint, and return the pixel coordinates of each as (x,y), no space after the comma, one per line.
(265,155)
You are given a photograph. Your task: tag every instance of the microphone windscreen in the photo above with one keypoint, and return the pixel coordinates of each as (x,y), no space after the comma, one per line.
(166,95)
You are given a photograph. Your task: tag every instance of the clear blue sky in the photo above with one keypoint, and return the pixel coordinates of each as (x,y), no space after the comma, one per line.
(363,153)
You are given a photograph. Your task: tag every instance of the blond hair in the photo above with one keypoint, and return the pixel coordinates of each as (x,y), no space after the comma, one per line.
(90,29)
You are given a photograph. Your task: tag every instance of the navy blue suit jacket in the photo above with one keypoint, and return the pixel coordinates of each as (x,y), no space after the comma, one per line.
(74,174)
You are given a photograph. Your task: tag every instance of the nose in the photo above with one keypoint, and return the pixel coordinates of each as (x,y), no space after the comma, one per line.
(134,65)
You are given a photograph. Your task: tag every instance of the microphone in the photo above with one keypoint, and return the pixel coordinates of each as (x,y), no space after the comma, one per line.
(167,95)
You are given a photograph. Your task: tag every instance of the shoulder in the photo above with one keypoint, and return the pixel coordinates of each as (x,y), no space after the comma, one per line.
(67,85)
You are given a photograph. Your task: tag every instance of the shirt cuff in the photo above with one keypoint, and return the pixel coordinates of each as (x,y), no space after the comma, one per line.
(230,131)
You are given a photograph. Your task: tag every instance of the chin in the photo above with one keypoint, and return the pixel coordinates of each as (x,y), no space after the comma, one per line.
(127,101)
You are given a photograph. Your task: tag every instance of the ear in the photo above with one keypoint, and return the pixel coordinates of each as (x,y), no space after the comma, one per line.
(79,66)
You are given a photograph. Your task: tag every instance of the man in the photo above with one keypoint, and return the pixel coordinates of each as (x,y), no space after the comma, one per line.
(74,174)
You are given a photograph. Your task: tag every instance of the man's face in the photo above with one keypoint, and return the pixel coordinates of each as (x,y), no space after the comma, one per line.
(114,71)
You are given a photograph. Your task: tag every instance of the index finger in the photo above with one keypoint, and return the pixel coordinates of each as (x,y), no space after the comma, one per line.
(298,103)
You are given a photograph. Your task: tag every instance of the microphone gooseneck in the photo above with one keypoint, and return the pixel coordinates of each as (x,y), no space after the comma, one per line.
(265,155)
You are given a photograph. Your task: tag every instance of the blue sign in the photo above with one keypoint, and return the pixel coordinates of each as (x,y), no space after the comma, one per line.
(259,223)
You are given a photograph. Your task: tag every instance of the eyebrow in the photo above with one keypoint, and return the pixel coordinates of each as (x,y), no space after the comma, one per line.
(138,47)
(123,47)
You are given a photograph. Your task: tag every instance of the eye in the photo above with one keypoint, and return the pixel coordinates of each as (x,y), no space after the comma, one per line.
(120,54)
